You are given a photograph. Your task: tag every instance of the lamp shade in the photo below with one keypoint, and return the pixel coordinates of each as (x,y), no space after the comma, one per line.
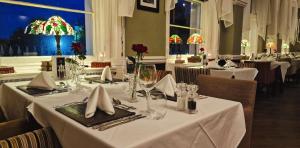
(35,27)
(175,39)
(56,25)
(195,39)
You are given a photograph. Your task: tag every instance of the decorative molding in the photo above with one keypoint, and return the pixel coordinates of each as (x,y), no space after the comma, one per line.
(242,3)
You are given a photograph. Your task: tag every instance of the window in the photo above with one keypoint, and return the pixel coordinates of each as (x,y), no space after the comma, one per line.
(185,21)
(16,15)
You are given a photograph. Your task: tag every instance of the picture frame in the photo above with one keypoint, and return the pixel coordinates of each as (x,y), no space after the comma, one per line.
(148,5)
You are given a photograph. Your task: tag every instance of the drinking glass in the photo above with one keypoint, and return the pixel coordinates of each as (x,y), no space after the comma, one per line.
(147,78)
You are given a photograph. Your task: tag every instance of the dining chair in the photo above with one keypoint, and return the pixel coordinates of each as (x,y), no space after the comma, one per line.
(240,90)
(246,65)
(188,74)
(41,138)
(266,75)
(17,126)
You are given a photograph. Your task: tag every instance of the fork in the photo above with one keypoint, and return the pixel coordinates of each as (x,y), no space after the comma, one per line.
(118,103)
(73,103)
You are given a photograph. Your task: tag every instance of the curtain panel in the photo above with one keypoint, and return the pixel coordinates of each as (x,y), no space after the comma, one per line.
(211,28)
(109,28)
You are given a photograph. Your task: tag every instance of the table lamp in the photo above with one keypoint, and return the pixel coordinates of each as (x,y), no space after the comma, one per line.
(176,40)
(55,26)
(195,39)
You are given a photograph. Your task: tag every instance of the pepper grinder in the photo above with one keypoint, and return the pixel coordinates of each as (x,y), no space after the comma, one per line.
(191,106)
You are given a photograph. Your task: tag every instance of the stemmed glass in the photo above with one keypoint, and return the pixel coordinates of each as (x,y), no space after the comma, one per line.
(147,78)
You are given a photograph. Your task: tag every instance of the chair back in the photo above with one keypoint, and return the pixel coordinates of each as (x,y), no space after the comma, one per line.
(236,90)
(266,75)
(246,65)
(41,138)
(188,75)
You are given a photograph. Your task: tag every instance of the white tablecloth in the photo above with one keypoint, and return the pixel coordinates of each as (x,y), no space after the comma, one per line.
(14,101)
(238,73)
(219,123)
(283,67)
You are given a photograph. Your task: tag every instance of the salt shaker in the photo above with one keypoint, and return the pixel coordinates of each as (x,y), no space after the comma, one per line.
(181,100)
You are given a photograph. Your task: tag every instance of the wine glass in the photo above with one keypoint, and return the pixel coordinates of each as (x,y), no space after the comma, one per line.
(147,78)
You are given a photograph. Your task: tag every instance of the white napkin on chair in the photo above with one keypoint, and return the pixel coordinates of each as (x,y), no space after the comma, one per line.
(167,85)
(43,81)
(106,74)
(99,98)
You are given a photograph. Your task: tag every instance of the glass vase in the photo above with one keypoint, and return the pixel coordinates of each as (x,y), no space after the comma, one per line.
(74,74)
(133,82)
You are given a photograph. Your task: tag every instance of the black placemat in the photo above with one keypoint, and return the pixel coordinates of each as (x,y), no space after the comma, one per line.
(38,91)
(77,112)
(98,80)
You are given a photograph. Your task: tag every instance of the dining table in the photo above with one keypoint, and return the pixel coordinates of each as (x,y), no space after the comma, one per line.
(218,123)
(235,73)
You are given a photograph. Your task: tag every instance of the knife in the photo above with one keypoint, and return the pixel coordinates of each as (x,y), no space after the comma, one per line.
(102,128)
(107,125)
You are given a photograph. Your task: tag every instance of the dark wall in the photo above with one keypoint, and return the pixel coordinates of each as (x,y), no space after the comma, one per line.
(231,37)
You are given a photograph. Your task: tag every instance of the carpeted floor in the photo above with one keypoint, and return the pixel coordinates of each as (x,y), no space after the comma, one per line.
(277,120)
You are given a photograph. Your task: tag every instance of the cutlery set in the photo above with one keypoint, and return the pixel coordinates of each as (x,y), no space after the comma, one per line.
(107,125)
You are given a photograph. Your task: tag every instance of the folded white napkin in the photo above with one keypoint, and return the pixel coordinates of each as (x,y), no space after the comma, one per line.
(43,81)
(167,85)
(229,63)
(99,98)
(106,74)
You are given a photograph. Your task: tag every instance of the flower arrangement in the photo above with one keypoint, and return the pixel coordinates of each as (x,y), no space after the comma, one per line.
(75,64)
(78,52)
(202,50)
(245,44)
(140,49)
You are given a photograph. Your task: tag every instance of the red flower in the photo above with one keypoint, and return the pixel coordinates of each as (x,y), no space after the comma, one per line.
(202,49)
(139,48)
(76,47)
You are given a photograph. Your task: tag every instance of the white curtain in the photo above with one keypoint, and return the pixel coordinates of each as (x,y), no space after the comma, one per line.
(246,19)
(253,35)
(261,9)
(288,20)
(126,7)
(170,5)
(224,11)
(211,29)
(273,26)
(107,30)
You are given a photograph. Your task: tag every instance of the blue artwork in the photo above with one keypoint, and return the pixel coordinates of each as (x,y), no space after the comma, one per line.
(15,18)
